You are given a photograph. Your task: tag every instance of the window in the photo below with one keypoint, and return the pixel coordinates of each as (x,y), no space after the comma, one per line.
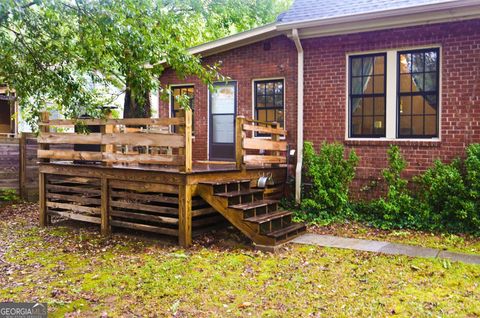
(417,93)
(269,101)
(179,91)
(367,95)
(394,94)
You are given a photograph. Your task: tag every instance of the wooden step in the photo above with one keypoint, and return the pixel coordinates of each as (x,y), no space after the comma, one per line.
(296,227)
(228,186)
(233,194)
(213,183)
(253,205)
(268,217)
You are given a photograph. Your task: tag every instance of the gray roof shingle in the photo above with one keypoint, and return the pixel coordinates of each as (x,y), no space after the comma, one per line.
(303,10)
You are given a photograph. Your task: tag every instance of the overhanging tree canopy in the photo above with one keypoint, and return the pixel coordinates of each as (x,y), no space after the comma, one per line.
(67,53)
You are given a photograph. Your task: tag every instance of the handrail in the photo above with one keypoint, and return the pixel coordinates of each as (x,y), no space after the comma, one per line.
(259,151)
(117,140)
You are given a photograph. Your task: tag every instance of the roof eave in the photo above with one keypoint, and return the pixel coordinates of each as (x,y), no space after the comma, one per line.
(236,40)
(407,15)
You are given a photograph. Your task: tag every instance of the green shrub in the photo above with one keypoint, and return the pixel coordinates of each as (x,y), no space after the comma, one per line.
(446,198)
(451,193)
(330,172)
(397,208)
(8,195)
(472,167)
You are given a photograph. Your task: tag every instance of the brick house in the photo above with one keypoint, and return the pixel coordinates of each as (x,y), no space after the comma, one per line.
(365,73)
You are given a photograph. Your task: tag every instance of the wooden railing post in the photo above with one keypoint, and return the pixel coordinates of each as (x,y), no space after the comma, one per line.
(275,137)
(239,136)
(106,129)
(42,195)
(188,140)
(42,182)
(44,118)
(185,215)
(22,175)
(105,226)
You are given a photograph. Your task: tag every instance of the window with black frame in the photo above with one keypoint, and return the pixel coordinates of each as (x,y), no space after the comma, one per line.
(417,93)
(269,101)
(367,95)
(178,91)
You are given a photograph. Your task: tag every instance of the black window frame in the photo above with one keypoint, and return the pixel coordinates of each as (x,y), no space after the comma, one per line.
(362,96)
(173,111)
(274,108)
(423,94)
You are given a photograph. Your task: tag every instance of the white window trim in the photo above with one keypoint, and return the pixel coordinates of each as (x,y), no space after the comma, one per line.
(391,96)
(284,102)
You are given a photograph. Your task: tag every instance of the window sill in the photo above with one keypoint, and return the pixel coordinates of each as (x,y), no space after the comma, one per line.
(399,142)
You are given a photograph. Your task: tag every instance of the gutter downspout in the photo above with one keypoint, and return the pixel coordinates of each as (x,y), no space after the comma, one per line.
(298,169)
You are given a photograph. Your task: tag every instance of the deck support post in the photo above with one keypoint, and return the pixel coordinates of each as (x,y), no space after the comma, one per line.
(45,219)
(105,208)
(42,194)
(185,215)
(22,172)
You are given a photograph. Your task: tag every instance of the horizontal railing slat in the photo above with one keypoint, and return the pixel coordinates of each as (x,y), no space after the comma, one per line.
(124,121)
(266,130)
(69,138)
(143,139)
(260,159)
(174,160)
(263,144)
(137,139)
(69,155)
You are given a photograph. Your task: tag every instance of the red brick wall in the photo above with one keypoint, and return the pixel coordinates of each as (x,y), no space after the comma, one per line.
(244,65)
(325,96)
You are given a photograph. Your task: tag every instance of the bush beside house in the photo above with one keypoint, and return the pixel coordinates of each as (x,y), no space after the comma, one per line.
(446,197)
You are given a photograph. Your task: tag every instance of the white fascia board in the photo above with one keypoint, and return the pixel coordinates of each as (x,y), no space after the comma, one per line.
(236,40)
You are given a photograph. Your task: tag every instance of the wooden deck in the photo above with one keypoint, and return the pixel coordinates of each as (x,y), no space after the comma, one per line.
(146,180)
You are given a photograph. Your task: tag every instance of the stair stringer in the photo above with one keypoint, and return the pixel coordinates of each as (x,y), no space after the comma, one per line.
(233,216)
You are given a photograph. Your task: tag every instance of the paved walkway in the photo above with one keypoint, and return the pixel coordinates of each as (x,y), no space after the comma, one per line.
(384,247)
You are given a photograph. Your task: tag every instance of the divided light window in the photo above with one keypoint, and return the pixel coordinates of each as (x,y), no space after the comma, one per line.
(179,91)
(367,95)
(268,102)
(417,93)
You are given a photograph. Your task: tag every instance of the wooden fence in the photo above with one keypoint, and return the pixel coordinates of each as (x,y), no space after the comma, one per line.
(269,148)
(18,165)
(122,141)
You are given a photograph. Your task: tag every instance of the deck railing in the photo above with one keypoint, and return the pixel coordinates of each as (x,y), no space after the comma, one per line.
(155,142)
(259,143)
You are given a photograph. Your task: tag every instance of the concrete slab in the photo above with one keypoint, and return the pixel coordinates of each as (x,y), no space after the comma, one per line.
(340,242)
(409,250)
(460,257)
(383,247)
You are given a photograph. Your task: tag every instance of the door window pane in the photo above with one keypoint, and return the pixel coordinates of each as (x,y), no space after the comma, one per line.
(223,99)
(222,126)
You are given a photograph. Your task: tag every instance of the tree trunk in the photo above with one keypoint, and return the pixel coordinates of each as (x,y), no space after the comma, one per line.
(134,107)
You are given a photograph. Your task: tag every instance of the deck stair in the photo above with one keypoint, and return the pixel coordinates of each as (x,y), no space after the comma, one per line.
(260,219)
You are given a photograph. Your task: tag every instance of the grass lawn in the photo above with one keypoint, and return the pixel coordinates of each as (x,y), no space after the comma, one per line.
(80,274)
